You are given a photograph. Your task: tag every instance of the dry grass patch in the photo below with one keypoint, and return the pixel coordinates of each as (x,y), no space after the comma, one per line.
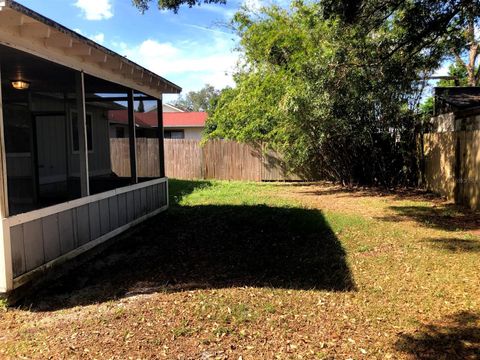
(266,271)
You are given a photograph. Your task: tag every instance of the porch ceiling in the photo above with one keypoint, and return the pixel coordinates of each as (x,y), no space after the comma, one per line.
(46,76)
(28,31)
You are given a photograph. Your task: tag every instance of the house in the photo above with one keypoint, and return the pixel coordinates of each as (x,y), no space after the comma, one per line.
(176,124)
(168,108)
(183,125)
(58,195)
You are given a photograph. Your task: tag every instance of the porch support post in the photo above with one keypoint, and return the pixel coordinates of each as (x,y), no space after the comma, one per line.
(82,134)
(161,144)
(6,264)
(132,137)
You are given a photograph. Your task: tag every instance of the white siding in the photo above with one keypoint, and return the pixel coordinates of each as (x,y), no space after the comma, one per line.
(193,133)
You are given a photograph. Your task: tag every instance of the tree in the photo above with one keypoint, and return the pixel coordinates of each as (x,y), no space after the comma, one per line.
(174,5)
(335,85)
(459,76)
(141,107)
(337,95)
(465,44)
(200,100)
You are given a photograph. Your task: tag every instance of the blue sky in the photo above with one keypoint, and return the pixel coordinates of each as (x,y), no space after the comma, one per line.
(191,48)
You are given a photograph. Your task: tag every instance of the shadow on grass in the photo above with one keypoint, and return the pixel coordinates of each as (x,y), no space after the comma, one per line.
(445,217)
(325,189)
(192,247)
(456,337)
(455,244)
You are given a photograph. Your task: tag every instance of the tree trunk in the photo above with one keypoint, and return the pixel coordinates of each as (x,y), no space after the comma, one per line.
(471,66)
(472,58)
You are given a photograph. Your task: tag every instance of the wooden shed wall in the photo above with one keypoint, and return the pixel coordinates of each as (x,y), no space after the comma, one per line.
(452,161)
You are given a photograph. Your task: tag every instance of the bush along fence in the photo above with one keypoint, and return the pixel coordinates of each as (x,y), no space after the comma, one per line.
(187,159)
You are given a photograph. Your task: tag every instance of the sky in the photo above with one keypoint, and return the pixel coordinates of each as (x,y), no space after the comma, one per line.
(191,48)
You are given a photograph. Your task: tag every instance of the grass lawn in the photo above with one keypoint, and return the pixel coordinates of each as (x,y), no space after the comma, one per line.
(268,271)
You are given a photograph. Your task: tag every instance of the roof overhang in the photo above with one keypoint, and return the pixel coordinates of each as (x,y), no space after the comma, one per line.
(28,31)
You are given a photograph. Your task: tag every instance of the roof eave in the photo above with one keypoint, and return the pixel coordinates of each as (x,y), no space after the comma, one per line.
(136,76)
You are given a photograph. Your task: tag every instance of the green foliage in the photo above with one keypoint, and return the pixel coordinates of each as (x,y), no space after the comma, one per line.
(321,92)
(174,5)
(3,304)
(457,71)
(334,85)
(427,107)
(464,43)
(200,100)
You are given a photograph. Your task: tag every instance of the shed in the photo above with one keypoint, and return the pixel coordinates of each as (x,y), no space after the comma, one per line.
(450,146)
(58,195)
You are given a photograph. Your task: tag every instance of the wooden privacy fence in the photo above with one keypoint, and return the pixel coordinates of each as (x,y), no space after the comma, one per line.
(186,159)
(452,165)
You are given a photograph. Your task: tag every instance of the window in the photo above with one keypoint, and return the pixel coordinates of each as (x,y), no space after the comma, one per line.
(170,134)
(119,132)
(75,140)
(178,134)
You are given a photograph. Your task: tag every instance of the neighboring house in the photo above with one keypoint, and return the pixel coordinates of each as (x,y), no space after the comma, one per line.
(58,195)
(176,124)
(184,125)
(168,108)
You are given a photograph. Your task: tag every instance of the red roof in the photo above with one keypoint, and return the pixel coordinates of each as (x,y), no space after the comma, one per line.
(170,119)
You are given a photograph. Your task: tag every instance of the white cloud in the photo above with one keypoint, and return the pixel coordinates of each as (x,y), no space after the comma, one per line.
(219,9)
(120,45)
(99,38)
(253,5)
(95,9)
(189,64)
(443,70)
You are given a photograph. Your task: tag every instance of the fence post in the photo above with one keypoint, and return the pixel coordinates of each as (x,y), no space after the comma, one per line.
(160,136)
(132,137)
(202,162)
(262,161)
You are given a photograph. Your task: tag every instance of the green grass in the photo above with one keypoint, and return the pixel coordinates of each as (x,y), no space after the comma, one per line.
(3,304)
(270,271)
(196,193)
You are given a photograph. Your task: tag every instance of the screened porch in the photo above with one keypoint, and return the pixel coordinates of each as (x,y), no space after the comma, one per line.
(59,196)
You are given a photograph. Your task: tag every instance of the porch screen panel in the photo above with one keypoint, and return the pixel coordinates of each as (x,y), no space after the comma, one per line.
(19,155)
(38,241)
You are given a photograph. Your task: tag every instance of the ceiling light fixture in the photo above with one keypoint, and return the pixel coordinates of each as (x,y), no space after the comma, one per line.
(20,84)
